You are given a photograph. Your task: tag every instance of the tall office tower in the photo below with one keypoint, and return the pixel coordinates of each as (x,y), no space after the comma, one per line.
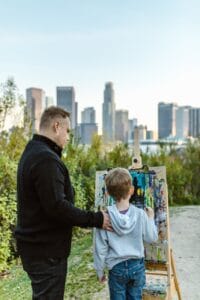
(166,120)
(194,122)
(49,101)
(198,122)
(121,126)
(76,114)
(88,115)
(108,113)
(131,125)
(66,100)
(35,104)
(142,132)
(86,132)
(150,135)
(182,122)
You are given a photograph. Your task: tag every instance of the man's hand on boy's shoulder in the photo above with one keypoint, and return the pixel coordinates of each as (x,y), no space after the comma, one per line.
(106,221)
(149,211)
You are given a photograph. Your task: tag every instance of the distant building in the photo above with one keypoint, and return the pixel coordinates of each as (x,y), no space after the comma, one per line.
(86,132)
(49,101)
(35,104)
(182,122)
(121,126)
(150,135)
(142,132)
(66,100)
(88,115)
(76,114)
(194,122)
(108,113)
(131,125)
(166,120)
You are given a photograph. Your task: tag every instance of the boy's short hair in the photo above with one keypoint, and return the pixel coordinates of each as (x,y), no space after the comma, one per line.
(118,183)
(51,113)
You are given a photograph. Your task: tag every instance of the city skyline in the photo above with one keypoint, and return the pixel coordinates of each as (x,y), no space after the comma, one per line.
(174,121)
(149,50)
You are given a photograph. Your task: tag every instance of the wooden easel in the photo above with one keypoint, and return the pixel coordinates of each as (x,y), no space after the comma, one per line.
(159,267)
(165,273)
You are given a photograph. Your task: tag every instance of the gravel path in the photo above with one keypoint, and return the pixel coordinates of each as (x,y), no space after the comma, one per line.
(185,242)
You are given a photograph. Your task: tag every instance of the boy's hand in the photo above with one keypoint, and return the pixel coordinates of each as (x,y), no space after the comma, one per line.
(150,212)
(102,279)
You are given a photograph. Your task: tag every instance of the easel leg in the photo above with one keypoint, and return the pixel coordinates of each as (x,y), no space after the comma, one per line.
(175,276)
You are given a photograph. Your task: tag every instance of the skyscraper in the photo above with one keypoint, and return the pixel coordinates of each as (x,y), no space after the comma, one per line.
(182,122)
(48,101)
(166,120)
(108,113)
(121,126)
(66,100)
(88,126)
(131,125)
(142,132)
(194,122)
(150,135)
(88,115)
(35,103)
(86,132)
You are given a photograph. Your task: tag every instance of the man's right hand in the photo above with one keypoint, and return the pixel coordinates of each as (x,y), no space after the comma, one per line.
(106,221)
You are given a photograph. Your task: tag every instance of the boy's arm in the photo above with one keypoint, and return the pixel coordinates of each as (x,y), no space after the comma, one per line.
(150,233)
(100,251)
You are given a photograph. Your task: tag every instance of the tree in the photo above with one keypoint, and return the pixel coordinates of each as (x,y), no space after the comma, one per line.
(191,161)
(119,156)
(8,99)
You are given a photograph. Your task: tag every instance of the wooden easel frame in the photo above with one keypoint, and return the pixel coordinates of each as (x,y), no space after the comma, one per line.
(159,269)
(170,272)
(169,268)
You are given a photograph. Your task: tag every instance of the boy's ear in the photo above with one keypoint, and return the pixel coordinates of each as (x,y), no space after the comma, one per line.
(132,190)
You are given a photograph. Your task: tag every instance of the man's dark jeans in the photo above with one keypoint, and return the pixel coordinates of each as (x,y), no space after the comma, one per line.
(47,277)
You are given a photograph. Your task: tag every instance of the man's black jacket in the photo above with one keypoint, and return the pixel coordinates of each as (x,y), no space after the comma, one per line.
(45,200)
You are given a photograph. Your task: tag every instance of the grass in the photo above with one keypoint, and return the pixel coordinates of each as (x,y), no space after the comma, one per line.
(81,279)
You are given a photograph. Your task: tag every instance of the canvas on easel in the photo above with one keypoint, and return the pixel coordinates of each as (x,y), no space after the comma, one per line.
(150,191)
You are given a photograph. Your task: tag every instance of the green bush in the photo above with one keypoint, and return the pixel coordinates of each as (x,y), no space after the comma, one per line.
(11,147)
(7,209)
(183,169)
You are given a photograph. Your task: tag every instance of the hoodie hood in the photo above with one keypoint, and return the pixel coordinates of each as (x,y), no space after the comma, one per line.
(122,223)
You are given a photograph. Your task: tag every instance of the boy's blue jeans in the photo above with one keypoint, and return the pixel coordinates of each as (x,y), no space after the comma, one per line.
(127,279)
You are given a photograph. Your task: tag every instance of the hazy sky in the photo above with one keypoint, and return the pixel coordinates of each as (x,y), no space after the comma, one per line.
(150,50)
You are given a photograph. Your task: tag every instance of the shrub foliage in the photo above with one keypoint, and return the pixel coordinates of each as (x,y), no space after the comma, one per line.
(183,169)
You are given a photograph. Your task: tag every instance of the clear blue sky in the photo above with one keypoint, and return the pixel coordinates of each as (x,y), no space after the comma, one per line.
(149,49)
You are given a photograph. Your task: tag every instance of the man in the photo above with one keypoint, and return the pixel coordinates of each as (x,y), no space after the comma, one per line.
(46,212)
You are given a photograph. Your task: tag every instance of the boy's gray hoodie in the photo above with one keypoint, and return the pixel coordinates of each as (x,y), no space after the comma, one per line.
(126,242)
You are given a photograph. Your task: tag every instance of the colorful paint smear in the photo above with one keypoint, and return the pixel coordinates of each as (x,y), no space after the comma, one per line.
(156,286)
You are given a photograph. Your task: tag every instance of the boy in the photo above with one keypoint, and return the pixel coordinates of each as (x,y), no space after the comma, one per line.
(122,250)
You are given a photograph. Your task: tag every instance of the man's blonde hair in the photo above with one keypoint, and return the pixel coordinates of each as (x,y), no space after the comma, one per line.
(118,183)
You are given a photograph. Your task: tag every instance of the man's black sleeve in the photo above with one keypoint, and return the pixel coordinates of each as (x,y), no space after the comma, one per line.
(48,178)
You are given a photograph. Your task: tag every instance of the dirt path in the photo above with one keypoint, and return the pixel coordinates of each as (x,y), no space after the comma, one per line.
(185,242)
